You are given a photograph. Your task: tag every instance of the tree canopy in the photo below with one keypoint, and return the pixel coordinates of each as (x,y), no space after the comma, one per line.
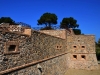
(48,19)
(7,20)
(69,23)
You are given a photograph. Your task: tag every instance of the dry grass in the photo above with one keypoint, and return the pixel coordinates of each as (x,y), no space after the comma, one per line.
(83,72)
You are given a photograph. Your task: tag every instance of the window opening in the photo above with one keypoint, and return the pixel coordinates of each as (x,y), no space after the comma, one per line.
(12,48)
(83,56)
(58,47)
(83,46)
(75,56)
(74,46)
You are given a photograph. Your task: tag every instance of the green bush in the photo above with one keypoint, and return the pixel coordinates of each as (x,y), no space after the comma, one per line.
(98,53)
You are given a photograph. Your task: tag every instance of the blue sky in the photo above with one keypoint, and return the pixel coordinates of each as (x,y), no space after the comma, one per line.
(86,12)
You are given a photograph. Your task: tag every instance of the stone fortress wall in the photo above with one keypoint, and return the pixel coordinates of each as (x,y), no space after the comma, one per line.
(45,52)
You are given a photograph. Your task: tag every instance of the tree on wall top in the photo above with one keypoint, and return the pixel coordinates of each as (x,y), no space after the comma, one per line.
(12,22)
(48,19)
(98,49)
(70,23)
(7,20)
(99,42)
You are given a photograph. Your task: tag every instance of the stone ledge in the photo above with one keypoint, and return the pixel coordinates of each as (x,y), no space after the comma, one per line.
(13,52)
(5,31)
(47,34)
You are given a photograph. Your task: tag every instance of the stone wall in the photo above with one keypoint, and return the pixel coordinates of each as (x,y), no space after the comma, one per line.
(32,48)
(20,54)
(81,43)
(47,45)
(62,33)
(82,52)
(57,33)
(6,27)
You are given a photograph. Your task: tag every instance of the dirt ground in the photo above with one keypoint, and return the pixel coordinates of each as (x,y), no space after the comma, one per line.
(83,72)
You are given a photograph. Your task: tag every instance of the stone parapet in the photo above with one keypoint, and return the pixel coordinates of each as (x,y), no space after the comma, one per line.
(57,33)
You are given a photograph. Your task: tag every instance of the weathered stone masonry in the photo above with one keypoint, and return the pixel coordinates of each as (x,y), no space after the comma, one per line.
(22,52)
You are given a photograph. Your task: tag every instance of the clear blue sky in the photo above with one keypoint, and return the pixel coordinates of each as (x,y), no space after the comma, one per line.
(86,12)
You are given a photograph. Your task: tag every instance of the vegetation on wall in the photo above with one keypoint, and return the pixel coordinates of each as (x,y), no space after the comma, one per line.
(7,20)
(98,49)
(69,23)
(12,22)
(48,19)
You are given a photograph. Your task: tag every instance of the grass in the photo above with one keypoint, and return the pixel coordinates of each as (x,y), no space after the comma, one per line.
(83,72)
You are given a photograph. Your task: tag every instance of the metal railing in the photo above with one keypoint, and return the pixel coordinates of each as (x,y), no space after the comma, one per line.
(55,27)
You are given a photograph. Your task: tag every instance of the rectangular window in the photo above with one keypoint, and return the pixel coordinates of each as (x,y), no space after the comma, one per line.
(58,47)
(74,47)
(11,47)
(74,57)
(83,46)
(83,57)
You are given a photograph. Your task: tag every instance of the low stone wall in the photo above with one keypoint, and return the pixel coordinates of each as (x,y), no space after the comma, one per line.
(57,33)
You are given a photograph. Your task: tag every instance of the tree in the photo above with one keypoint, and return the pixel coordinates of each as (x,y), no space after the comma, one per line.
(48,19)
(7,20)
(98,49)
(99,42)
(98,53)
(69,23)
